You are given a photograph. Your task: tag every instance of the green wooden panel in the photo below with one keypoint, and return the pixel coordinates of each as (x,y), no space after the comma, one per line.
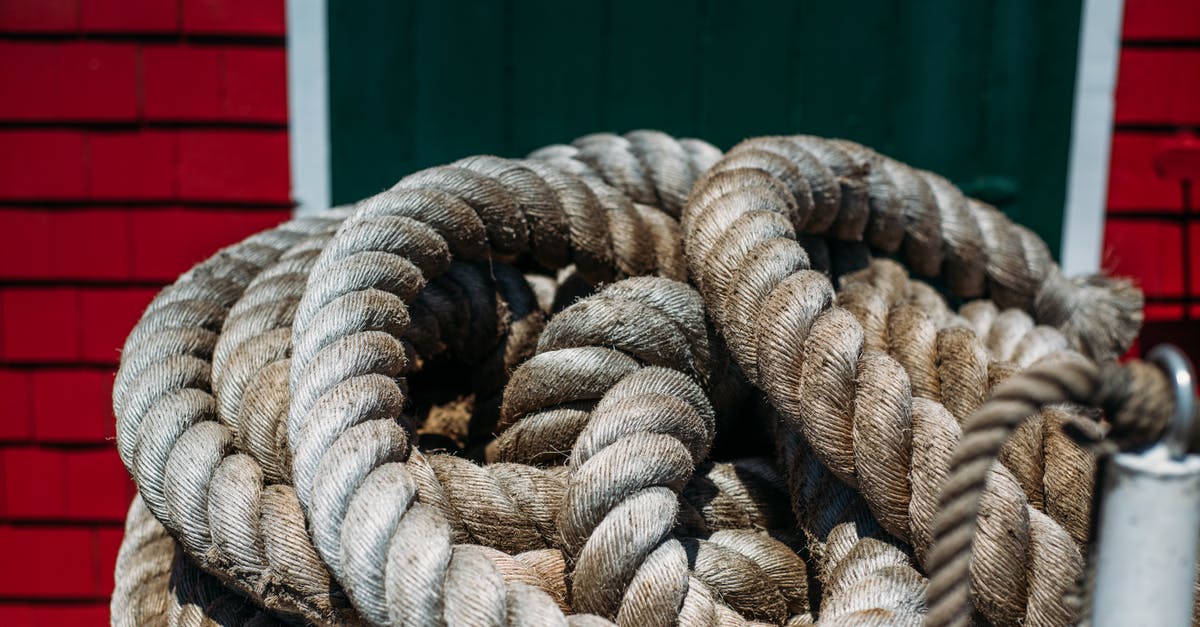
(978,91)
(939,62)
(462,59)
(743,67)
(842,79)
(558,71)
(1047,138)
(371,108)
(651,71)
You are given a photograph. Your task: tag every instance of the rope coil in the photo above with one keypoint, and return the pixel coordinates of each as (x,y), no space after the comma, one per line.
(281,406)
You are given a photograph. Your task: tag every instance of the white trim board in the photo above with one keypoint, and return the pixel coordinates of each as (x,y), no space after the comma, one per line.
(1091,136)
(308,105)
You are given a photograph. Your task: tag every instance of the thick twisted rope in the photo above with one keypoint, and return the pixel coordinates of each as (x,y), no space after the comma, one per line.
(236,484)
(931,357)
(347,352)
(1139,411)
(286,297)
(649,167)
(636,449)
(155,585)
(234,336)
(173,447)
(852,404)
(947,363)
(297,353)
(851,193)
(142,571)
(648,429)
(232,487)
(865,576)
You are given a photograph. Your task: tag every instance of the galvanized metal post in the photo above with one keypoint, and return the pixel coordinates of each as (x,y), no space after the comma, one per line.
(1149,522)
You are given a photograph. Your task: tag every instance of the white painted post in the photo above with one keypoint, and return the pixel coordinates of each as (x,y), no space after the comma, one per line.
(1091,136)
(308,104)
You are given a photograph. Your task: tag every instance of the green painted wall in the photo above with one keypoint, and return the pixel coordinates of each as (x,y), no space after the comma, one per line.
(978,90)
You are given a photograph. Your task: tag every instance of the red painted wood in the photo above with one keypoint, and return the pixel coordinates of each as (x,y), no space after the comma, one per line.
(75,614)
(74,81)
(42,164)
(124,161)
(134,165)
(16,412)
(1159,86)
(84,244)
(39,324)
(20,16)
(215,83)
(43,484)
(233,165)
(1133,183)
(1161,19)
(1155,312)
(97,487)
(107,543)
(35,483)
(256,84)
(129,16)
(172,240)
(183,82)
(91,244)
(107,315)
(1195,257)
(71,405)
(26,250)
(1149,251)
(1178,158)
(234,17)
(42,553)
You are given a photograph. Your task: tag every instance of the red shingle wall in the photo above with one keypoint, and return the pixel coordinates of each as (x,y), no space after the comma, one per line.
(136,138)
(1158,95)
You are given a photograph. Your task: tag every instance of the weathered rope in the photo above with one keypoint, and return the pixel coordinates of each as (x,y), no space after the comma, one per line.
(283,297)
(1138,411)
(632,452)
(852,404)
(866,576)
(245,546)
(946,363)
(281,404)
(649,167)
(851,193)
(118,396)
(157,586)
(173,447)
(348,351)
(143,567)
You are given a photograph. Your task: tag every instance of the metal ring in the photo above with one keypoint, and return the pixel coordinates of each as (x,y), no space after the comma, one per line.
(1182,435)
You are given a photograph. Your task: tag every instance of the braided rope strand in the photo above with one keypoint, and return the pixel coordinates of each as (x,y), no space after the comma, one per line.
(283,406)
(852,404)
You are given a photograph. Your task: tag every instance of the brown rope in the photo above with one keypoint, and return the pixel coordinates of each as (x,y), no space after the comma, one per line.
(1141,411)
(281,405)
(946,363)
(156,585)
(853,406)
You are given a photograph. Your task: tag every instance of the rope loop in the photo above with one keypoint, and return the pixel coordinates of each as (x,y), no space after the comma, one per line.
(630,380)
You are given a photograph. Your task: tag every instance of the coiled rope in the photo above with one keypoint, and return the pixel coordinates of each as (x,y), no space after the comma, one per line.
(282,406)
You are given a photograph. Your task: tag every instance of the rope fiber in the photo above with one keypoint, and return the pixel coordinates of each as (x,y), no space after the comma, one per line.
(628,380)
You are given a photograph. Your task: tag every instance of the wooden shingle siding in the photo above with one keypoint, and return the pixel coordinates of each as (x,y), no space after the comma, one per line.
(136,138)
(1157,96)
